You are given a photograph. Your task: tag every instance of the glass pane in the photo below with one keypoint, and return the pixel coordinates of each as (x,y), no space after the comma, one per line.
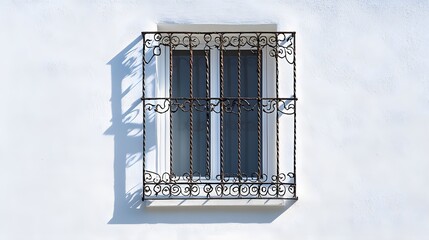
(248,119)
(181,119)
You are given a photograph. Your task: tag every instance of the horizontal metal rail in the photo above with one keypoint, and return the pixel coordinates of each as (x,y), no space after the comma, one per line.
(223,98)
(245,32)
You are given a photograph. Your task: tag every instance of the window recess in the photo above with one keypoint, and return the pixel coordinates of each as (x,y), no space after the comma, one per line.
(220,101)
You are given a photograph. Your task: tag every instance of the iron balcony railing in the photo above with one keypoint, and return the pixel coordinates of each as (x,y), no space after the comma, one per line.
(280,48)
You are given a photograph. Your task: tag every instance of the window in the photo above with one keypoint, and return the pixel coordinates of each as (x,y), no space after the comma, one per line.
(218,110)
(240,136)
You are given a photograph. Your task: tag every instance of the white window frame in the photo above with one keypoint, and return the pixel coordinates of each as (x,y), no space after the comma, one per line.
(163,120)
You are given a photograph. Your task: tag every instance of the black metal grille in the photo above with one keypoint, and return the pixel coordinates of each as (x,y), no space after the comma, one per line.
(280,46)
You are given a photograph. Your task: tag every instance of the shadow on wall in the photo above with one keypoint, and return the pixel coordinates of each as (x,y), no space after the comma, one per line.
(126,128)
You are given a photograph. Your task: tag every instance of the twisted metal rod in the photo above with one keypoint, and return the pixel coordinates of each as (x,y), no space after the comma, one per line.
(191,127)
(221,111)
(259,113)
(144,116)
(277,121)
(171,112)
(239,112)
(294,112)
(206,55)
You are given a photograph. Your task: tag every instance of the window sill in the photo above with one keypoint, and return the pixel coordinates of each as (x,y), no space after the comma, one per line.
(215,202)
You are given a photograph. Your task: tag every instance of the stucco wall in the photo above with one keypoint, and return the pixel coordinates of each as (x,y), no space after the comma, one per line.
(66,80)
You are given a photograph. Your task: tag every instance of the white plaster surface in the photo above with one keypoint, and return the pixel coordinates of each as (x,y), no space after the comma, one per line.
(66,75)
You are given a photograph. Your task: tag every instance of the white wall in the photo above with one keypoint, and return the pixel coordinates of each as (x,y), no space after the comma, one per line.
(363,118)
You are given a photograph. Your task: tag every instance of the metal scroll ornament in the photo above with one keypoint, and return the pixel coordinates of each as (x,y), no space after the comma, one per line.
(200,187)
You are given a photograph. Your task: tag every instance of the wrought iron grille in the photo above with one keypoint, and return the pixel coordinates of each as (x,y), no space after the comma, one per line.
(194,184)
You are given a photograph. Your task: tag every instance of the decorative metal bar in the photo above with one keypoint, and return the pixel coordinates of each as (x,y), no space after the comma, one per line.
(144,113)
(167,187)
(218,33)
(239,111)
(170,92)
(259,110)
(269,105)
(222,167)
(191,126)
(206,55)
(223,98)
(277,118)
(294,112)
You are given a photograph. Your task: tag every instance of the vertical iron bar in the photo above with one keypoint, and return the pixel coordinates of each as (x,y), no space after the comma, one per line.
(144,114)
(222,174)
(277,118)
(191,106)
(170,93)
(294,112)
(239,112)
(206,55)
(259,111)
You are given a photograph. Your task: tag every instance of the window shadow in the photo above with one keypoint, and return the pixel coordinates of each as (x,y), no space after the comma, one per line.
(126,129)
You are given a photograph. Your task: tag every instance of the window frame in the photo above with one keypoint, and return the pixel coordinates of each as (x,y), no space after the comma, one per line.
(268,138)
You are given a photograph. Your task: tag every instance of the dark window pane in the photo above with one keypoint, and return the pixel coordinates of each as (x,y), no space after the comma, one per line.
(181,123)
(248,119)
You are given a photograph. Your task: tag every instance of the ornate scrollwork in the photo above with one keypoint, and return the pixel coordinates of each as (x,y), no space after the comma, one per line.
(279,45)
(227,105)
(161,186)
